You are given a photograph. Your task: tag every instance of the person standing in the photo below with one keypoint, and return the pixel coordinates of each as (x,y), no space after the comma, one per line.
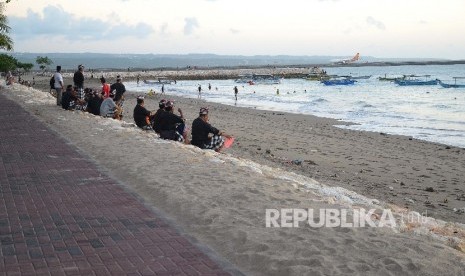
(58,84)
(105,88)
(236,90)
(78,79)
(200,91)
(120,90)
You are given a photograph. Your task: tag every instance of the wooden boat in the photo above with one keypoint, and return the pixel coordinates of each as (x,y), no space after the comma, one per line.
(386,78)
(361,77)
(455,85)
(160,80)
(264,79)
(317,74)
(338,82)
(244,78)
(414,80)
(357,77)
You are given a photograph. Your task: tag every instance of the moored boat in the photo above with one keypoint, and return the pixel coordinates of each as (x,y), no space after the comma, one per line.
(386,78)
(160,80)
(338,82)
(360,77)
(455,85)
(244,78)
(317,74)
(264,79)
(414,80)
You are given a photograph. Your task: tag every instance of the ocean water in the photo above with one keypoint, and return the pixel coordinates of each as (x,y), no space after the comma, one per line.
(430,113)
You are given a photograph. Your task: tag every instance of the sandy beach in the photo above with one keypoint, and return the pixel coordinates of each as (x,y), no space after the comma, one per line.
(220,200)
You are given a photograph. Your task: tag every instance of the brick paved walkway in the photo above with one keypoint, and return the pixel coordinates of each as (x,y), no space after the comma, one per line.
(59,215)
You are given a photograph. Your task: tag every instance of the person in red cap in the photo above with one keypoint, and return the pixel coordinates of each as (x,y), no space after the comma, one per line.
(204,135)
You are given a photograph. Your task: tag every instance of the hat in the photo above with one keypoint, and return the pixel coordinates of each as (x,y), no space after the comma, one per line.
(162,103)
(203,111)
(80,66)
(118,77)
(140,97)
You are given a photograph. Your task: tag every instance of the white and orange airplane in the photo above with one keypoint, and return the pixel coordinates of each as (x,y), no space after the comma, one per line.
(349,60)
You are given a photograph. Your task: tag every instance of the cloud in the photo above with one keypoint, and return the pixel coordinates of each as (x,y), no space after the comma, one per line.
(234,31)
(376,23)
(56,22)
(190,24)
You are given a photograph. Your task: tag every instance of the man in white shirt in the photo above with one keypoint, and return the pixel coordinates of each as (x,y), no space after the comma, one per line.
(59,86)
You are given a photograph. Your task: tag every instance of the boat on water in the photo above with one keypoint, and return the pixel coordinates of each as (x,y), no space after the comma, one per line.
(317,74)
(344,81)
(386,78)
(414,80)
(244,78)
(455,85)
(160,80)
(264,79)
(357,77)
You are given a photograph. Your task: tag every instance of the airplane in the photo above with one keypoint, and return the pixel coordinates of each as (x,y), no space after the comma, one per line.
(347,61)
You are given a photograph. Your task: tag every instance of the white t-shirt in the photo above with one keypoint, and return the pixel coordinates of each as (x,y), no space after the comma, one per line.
(58,77)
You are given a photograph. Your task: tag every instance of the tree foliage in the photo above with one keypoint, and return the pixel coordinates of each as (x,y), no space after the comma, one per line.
(7,63)
(25,66)
(43,62)
(6,42)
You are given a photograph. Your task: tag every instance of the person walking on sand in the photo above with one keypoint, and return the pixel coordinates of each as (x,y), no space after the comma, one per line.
(78,80)
(59,86)
(201,131)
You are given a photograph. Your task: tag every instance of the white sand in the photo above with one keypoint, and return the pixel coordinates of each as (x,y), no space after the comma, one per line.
(220,201)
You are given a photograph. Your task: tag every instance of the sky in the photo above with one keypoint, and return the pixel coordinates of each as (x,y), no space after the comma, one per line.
(378,28)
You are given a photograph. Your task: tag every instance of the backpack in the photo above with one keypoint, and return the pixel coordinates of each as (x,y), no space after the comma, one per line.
(52,82)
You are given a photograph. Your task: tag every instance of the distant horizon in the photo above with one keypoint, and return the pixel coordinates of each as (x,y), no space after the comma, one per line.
(234,55)
(197,60)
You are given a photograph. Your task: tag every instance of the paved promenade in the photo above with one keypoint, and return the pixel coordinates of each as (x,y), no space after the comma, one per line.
(60,215)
